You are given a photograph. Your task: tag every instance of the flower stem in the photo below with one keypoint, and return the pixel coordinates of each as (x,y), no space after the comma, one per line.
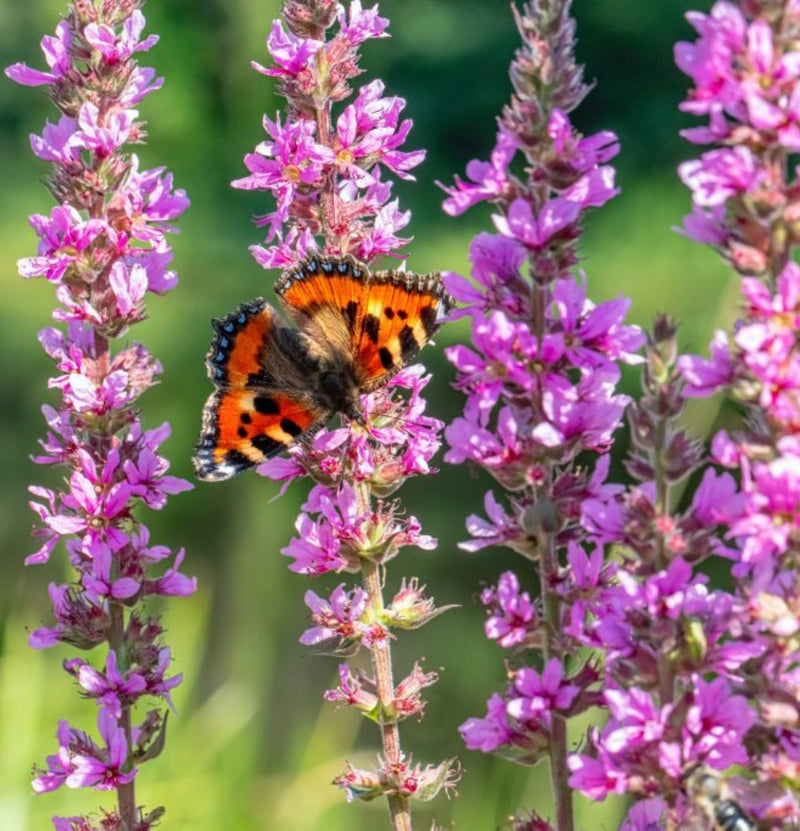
(381,656)
(328,218)
(551,604)
(126,796)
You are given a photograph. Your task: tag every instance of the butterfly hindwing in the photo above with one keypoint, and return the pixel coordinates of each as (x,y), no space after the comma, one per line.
(388,316)
(243,427)
(260,405)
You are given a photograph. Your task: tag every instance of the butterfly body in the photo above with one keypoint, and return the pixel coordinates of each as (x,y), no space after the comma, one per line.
(352,331)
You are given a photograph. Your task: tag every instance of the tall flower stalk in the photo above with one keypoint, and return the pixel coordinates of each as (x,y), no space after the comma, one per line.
(324,163)
(540,378)
(103,248)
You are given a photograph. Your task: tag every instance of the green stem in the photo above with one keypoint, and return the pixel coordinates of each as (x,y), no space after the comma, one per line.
(126,795)
(551,605)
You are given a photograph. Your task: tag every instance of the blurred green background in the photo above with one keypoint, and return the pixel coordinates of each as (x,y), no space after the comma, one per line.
(253,745)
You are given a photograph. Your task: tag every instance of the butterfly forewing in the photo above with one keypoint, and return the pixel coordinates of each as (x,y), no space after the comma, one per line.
(238,343)
(389,315)
(402,313)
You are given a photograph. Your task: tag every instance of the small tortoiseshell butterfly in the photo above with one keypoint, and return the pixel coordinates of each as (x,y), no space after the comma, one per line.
(275,383)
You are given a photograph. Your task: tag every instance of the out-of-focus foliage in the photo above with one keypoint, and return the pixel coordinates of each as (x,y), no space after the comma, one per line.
(253,746)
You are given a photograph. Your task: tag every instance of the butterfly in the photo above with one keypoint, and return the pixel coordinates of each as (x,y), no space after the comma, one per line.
(277,383)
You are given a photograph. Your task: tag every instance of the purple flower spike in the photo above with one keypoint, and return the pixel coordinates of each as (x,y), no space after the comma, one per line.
(540,377)
(103,262)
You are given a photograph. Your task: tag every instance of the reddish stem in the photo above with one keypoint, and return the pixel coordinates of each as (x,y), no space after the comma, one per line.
(381,656)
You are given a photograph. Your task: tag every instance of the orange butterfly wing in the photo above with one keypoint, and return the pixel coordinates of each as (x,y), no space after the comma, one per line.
(390,315)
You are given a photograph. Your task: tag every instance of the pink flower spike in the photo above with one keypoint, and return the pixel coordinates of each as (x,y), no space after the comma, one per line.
(103,247)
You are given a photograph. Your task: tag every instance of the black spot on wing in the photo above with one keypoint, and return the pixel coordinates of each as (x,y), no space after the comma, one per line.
(429,320)
(245,418)
(266,405)
(350,311)
(387,359)
(389,312)
(402,314)
(408,343)
(241,432)
(371,327)
(266,445)
(291,427)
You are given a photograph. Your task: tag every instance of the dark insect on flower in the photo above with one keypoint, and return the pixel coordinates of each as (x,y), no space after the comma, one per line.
(712,795)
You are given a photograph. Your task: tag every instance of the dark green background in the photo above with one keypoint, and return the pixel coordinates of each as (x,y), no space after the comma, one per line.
(253,746)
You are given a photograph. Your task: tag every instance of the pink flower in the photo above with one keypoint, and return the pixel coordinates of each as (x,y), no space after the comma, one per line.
(104,135)
(56,54)
(109,686)
(102,769)
(536,231)
(705,377)
(487,734)
(361,24)
(118,47)
(513,614)
(340,616)
(537,696)
(488,180)
(720,174)
(290,53)
(64,236)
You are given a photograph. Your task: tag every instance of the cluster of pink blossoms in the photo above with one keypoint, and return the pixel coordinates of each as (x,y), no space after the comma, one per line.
(325,176)
(323,166)
(716,674)
(103,247)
